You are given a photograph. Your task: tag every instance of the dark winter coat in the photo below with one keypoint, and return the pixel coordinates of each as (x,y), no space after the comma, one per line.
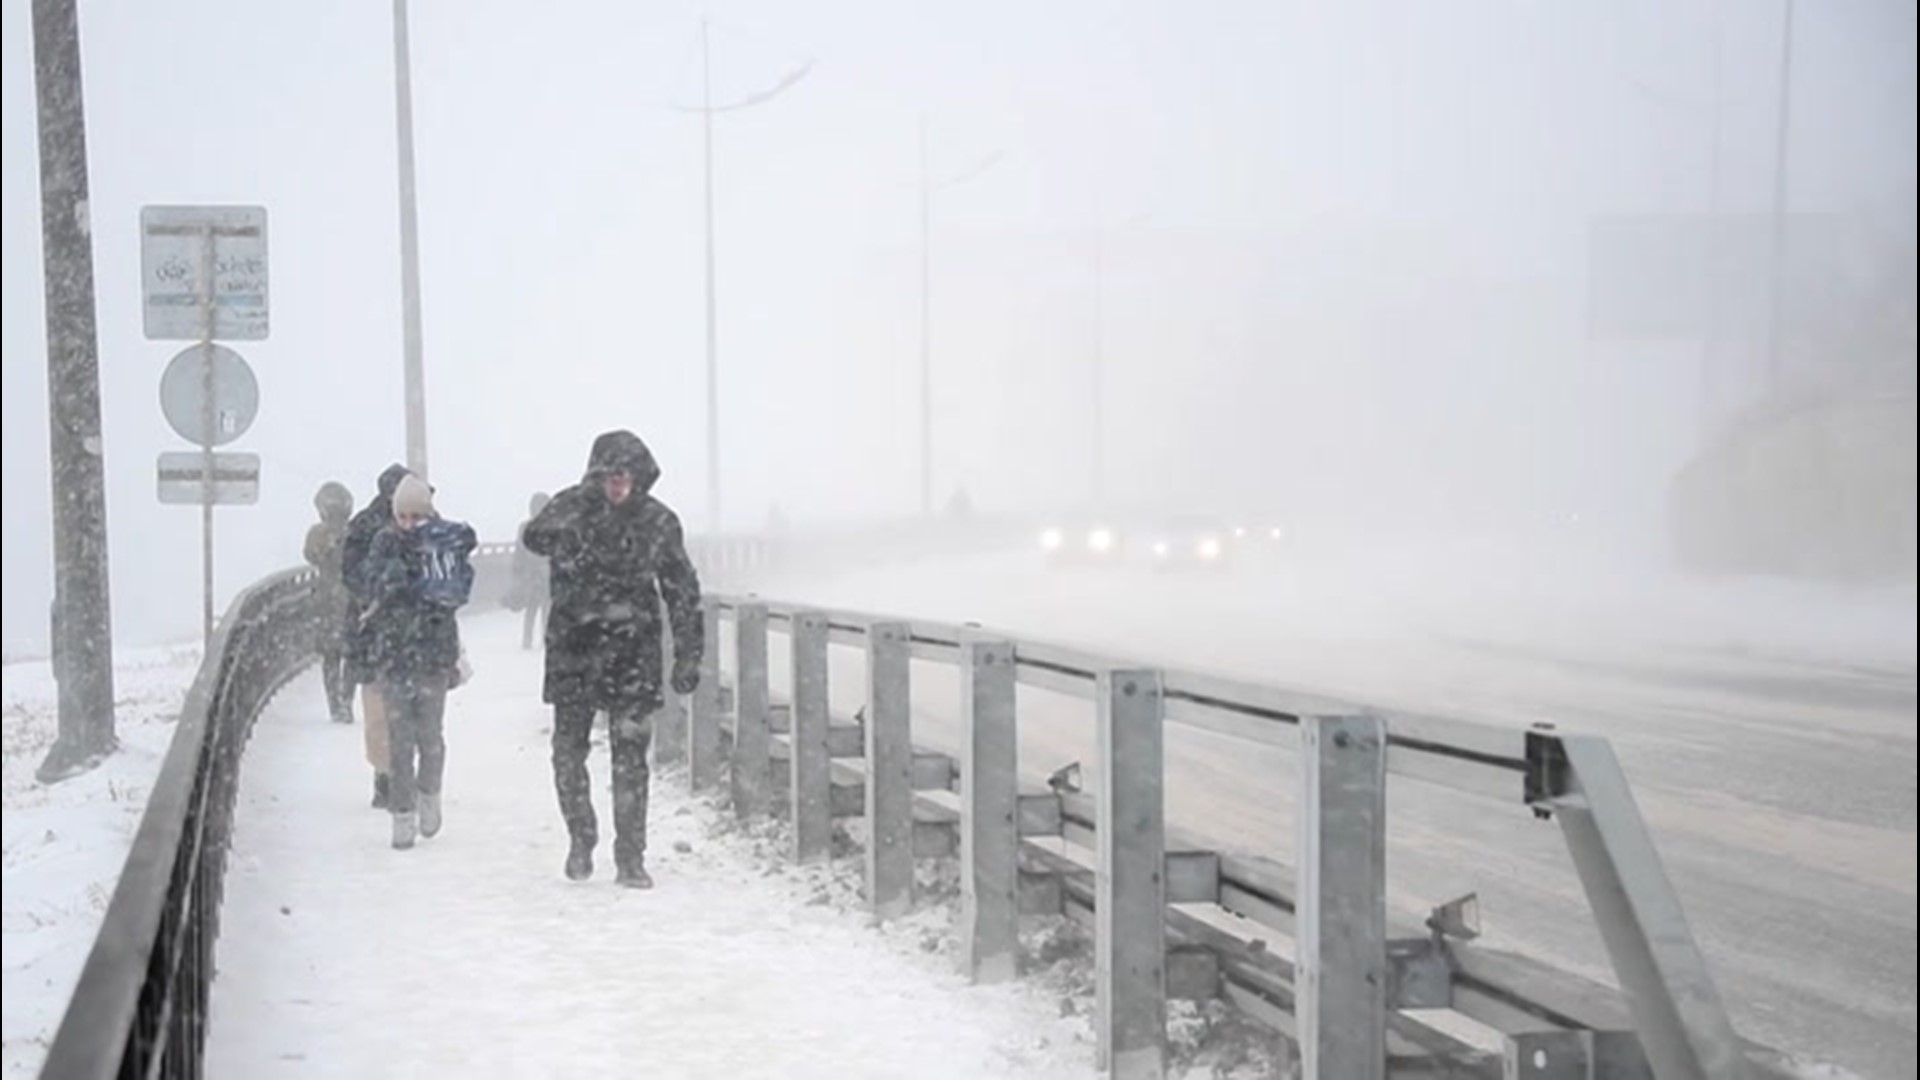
(372,518)
(326,543)
(409,637)
(611,566)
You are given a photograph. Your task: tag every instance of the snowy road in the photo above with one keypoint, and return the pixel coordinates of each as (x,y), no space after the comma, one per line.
(471,956)
(1781,794)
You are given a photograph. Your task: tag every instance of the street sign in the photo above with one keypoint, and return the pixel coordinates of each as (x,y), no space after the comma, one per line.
(236,478)
(203,272)
(184,391)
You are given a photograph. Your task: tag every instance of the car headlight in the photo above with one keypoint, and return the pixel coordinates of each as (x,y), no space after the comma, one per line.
(1240,532)
(1100,541)
(1276,533)
(1052,540)
(1208,549)
(1160,549)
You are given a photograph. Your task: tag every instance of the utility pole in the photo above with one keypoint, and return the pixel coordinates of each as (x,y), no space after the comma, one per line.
(1716,263)
(1099,370)
(707,110)
(928,185)
(1776,315)
(713,313)
(416,378)
(926,328)
(84,632)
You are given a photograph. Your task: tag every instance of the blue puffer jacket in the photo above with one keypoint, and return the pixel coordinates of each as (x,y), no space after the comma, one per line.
(409,636)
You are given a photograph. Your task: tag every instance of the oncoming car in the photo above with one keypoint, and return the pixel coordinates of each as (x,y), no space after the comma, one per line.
(1189,543)
(1084,544)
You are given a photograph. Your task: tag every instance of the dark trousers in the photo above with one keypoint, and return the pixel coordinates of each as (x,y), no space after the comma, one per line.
(535,614)
(629,732)
(333,676)
(416,732)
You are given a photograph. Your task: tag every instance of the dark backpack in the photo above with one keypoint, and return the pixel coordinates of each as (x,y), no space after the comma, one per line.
(446,569)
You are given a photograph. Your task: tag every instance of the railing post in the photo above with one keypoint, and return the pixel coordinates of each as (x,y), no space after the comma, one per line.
(703,734)
(1676,1008)
(750,741)
(670,728)
(989,819)
(1130,899)
(889,748)
(807,790)
(1341,977)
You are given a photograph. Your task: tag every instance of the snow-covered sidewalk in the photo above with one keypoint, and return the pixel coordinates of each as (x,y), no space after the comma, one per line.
(472,956)
(66,842)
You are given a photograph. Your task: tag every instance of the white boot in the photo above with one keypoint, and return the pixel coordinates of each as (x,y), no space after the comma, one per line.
(429,814)
(405,828)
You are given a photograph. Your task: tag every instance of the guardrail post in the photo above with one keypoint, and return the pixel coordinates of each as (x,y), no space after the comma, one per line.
(1341,977)
(990,805)
(807,790)
(1676,1008)
(703,735)
(1130,898)
(889,747)
(751,749)
(670,729)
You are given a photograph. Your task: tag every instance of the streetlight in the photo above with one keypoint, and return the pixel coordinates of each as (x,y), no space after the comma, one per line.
(707,111)
(83,632)
(411,337)
(927,187)
(1100,230)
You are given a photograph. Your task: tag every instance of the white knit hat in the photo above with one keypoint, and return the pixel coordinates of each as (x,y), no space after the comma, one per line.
(413,497)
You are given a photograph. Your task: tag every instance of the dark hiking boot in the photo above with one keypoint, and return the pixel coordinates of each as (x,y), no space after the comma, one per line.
(380,794)
(635,877)
(579,862)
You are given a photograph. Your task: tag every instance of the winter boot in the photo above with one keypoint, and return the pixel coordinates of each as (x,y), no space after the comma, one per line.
(429,814)
(380,795)
(579,862)
(635,876)
(405,828)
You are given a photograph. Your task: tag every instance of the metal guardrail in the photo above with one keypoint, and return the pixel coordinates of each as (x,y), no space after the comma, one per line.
(1309,950)
(1170,915)
(139,1008)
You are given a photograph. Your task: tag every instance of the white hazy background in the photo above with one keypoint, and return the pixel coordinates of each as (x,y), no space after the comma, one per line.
(1345,251)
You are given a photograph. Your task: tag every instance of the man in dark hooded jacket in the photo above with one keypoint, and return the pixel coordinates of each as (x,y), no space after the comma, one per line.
(615,552)
(375,516)
(331,601)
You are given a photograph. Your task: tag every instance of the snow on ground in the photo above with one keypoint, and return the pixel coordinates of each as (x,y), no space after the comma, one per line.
(65,843)
(472,955)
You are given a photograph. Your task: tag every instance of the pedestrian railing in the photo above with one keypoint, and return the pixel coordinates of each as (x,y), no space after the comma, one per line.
(1309,950)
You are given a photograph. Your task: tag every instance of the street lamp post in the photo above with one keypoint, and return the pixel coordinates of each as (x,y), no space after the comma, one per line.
(708,110)
(927,187)
(83,624)
(411,334)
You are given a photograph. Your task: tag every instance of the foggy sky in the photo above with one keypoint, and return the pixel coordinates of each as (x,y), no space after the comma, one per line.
(1348,271)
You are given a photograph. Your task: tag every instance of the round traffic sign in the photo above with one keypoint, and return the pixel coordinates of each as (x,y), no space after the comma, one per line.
(183,395)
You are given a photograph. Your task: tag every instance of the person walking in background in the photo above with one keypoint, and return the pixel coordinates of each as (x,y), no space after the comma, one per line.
(326,543)
(615,553)
(375,516)
(419,573)
(530,592)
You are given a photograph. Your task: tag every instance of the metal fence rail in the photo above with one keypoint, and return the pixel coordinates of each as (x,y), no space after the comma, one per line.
(1309,949)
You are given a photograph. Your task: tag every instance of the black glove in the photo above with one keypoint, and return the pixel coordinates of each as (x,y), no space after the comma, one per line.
(686,676)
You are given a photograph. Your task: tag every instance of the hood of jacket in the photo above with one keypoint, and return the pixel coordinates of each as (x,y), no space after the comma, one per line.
(622,451)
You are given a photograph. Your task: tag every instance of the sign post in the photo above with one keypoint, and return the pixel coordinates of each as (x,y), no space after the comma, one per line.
(204,272)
